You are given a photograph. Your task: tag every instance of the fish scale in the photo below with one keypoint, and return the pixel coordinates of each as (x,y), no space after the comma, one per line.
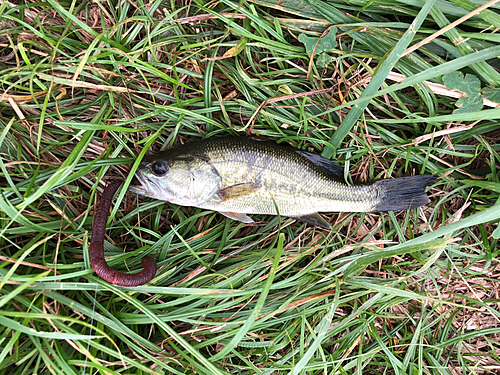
(296,185)
(295,193)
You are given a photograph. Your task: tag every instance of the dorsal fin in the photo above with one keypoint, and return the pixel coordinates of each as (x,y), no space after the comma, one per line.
(326,165)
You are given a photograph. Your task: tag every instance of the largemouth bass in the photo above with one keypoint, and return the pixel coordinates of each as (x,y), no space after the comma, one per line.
(242,176)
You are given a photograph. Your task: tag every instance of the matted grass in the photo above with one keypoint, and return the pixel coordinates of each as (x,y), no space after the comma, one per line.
(88,87)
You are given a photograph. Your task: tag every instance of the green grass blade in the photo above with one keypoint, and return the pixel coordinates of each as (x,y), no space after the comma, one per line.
(377,80)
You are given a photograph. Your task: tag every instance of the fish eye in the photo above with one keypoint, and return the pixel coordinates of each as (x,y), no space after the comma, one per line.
(159,168)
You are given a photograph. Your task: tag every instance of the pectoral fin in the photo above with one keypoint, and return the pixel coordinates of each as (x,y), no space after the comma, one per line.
(314,219)
(237,216)
(237,191)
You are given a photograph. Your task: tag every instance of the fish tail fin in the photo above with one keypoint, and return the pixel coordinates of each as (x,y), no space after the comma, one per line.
(403,193)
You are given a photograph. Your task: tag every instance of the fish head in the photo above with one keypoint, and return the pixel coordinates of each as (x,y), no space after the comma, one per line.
(186,181)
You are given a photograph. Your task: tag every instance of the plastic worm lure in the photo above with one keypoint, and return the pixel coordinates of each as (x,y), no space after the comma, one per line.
(96,250)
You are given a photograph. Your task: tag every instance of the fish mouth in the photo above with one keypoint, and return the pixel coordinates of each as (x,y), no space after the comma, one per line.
(144,186)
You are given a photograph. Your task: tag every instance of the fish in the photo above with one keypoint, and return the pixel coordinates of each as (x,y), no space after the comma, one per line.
(241,176)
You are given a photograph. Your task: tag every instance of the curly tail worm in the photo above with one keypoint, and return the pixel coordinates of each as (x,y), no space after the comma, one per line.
(96,250)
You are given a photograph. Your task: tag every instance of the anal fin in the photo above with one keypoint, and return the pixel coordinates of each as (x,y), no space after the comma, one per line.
(238,217)
(314,219)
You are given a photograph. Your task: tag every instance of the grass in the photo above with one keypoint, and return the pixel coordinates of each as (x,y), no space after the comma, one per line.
(87,88)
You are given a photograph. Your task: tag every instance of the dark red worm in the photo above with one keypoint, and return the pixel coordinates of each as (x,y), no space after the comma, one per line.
(97,259)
